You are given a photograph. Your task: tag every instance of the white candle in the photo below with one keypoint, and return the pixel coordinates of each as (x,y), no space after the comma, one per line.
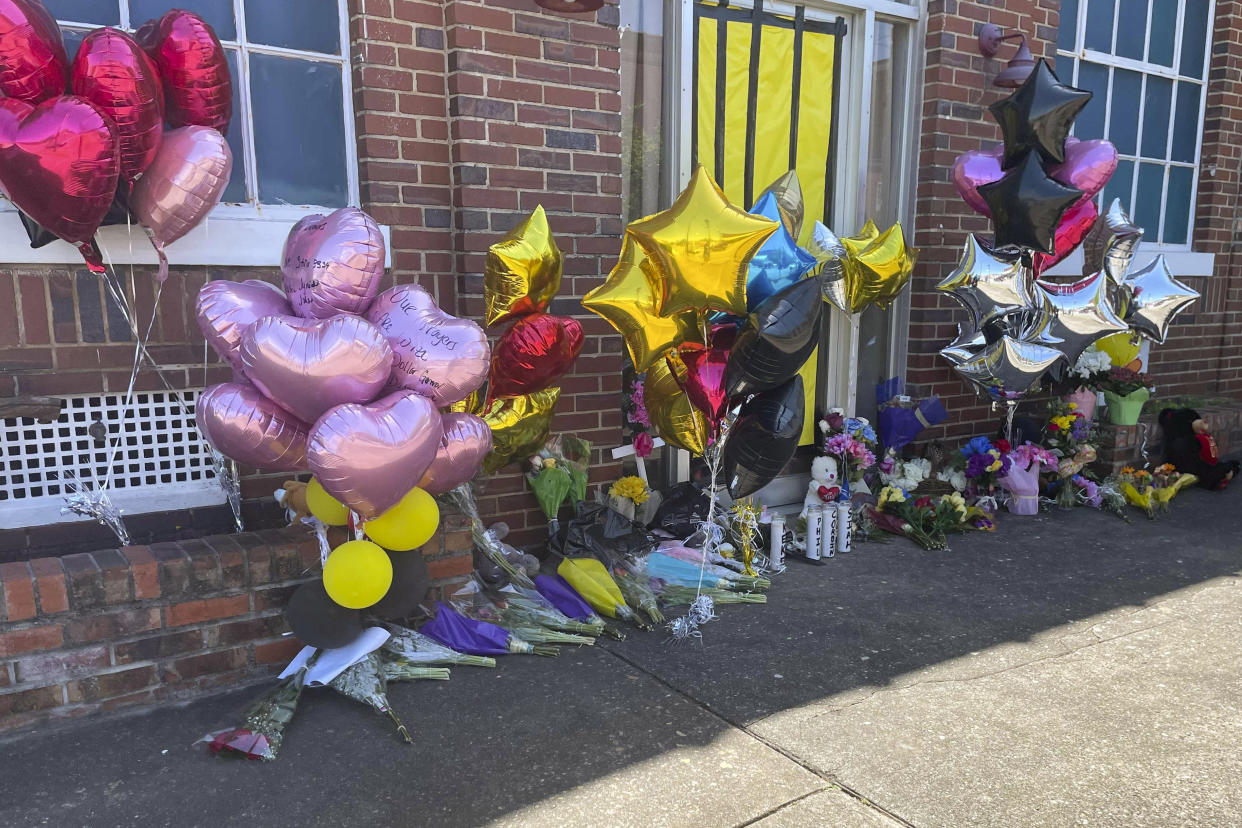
(776,554)
(814,529)
(845,525)
(828,534)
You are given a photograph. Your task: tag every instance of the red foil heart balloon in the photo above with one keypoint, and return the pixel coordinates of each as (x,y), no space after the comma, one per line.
(439,356)
(33,62)
(112,72)
(704,381)
(467,440)
(59,165)
(370,456)
(197,86)
(1074,227)
(534,352)
(308,366)
(243,424)
(225,311)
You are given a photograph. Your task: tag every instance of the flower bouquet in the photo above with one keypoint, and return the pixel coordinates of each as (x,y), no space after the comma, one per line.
(627,497)
(852,441)
(557,592)
(903,474)
(1021,479)
(413,647)
(472,602)
(261,731)
(901,418)
(536,607)
(364,681)
(551,484)
(1136,486)
(1125,391)
(923,520)
(469,635)
(1167,481)
(1069,434)
(591,580)
(982,465)
(1092,364)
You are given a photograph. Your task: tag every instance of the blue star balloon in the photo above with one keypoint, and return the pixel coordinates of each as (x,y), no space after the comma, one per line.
(779,263)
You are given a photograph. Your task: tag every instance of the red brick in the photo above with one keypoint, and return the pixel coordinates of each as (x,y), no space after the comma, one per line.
(158,646)
(196,612)
(26,701)
(207,663)
(50,585)
(277,652)
(450,567)
(57,665)
(144,570)
(107,626)
(109,685)
(17,585)
(31,639)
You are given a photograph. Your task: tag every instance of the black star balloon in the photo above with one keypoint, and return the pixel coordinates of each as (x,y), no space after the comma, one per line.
(764,438)
(1027,205)
(1038,115)
(778,338)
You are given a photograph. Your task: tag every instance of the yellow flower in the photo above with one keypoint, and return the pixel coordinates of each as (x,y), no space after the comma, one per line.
(957,502)
(889,494)
(630,487)
(1073,406)
(1127,470)
(995,466)
(549,463)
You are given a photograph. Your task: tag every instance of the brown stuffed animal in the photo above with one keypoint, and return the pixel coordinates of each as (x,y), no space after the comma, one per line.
(292,496)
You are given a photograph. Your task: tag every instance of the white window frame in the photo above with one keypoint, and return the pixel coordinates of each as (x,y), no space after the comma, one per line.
(839,387)
(1182,259)
(241,235)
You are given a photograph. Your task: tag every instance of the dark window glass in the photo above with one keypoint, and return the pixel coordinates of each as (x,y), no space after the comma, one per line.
(1132,30)
(315,25)
(1177,205)
(1099,34)
(73,39)
(1064,69)
(99,12)
(1194,37)
(1068,31)
(217,13)
(1186,122)
(1146,209)
(299,131)
(1156,117)
(1090,122)
(235,192)
(1124,111)
(1120,185)
(1163,30)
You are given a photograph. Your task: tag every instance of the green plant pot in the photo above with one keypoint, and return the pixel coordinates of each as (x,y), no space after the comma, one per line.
(1126,410)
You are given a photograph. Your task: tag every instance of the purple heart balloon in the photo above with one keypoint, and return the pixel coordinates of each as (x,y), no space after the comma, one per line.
(1088,166)
(333,264)
(226,310)
(970,169)
(438,355)
(370,456)
(467,440)
(309,365)
(243,424)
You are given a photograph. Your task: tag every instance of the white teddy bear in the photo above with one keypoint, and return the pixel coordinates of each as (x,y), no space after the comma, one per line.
(825,484)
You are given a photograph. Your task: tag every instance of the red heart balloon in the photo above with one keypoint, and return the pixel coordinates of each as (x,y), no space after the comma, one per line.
(33,63)
(534,352)
(59,165)
(198,89)
(1074,226)
(112,72)
(704,381)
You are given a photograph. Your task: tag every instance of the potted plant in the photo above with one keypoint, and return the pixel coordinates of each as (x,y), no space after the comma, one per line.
(1125,391)
(1086,376)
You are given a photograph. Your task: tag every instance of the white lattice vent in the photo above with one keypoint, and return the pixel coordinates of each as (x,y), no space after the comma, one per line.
(162,462)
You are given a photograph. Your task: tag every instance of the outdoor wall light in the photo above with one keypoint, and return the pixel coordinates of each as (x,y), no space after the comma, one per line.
(1019,67)
(572,6)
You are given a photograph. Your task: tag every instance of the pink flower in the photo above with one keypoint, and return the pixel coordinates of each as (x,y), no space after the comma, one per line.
(643,444)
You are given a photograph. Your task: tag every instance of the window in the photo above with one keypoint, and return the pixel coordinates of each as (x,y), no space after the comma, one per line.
(290,137)
(1148,71)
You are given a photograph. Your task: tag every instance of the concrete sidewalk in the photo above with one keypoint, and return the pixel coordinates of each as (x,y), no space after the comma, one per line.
(1068,669)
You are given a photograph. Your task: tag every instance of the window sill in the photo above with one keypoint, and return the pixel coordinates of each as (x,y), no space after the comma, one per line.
(232,237)
(1181,262)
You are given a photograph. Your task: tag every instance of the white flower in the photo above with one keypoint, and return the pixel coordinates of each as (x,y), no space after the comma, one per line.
(840,411)
(823,426)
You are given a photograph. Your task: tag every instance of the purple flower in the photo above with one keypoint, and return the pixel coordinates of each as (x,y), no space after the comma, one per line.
(977,465)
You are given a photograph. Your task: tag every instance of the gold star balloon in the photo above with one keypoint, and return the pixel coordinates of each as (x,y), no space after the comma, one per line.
(472,404)
(702,247)
(877,268)
(523,270)
(627,300)
(670,410)
(789,202)
(519,425)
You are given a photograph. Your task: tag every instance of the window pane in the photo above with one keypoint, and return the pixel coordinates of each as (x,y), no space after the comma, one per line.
(642,96)
(1132,29)
(1186,123)
(217,13)
(1124,111)
(1065,69)
(1120,185)
(1194,35)
(73,39)
(1177,205)
(1163,30)
(1156,117)
(299,131)
(1090,122)
(101,12)
(1068,31)
(1146,209)
(315,25)
(235,192)
(1099,35)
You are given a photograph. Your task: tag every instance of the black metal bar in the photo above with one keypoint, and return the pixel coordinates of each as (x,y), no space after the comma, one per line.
(722,49)
(752,102)
(741,15)
(830,173)
(694,104)
(796,94)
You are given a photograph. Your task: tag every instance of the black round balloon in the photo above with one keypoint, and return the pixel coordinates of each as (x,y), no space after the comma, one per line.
(410,582)
(764,437)
(781,333)
(318,620)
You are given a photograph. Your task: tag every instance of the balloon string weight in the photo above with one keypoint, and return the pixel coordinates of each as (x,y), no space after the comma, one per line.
(1010,407)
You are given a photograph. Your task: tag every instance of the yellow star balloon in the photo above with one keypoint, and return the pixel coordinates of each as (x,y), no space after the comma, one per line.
(670,410)
(627,300)
(702,246)
(789,202)
(519,425)
(472,404)
(523,270)
(878,266)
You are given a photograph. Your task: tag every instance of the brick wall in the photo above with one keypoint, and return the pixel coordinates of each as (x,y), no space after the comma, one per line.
(123,627)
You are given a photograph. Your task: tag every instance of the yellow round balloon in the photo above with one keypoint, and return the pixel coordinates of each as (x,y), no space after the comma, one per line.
(357,574)
(408,525)
(325,507)
(1122,348)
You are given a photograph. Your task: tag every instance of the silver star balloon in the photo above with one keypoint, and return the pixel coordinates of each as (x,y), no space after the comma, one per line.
(988,285)
(967,345)
(788,192)
(1155,297)
(1008,368)
(1076,315)
(1111,244)
(830,255)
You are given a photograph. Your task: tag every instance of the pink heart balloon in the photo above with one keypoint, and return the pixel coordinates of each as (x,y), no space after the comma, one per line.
(307,366)
(1088,166)
(183,184)
(467,440)
(1074,227)
(333,264)
(370,456)
(437,355)
(226,310)
(243,424)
